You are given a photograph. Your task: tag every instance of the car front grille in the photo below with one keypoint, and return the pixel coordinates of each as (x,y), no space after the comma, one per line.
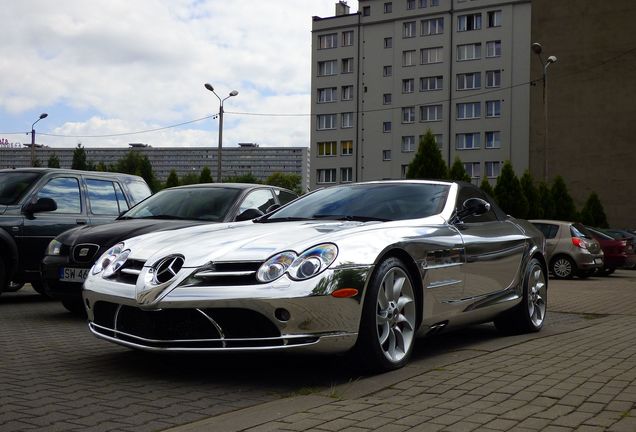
(189,328)
(85,252)
(129,272)
(229,273)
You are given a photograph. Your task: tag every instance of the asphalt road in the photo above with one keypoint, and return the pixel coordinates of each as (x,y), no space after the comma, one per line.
(54,375)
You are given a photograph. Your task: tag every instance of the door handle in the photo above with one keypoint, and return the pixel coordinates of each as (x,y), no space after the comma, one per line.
(80,221)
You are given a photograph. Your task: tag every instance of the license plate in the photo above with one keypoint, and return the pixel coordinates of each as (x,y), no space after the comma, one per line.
(598,261)
(72,274)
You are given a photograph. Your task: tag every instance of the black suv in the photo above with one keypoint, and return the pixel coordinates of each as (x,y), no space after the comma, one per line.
(37,204)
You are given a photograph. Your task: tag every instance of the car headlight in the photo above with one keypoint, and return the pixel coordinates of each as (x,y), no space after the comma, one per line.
(313,261)
(109,257)
(275,267)
(54,248)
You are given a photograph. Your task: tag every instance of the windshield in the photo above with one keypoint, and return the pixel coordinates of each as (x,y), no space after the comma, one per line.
(380,201)
(13,185)
(207,204)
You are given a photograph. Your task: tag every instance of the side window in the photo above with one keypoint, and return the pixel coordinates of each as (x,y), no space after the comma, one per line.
(139,190)
(102,197)
(467,192)
(284,197)
(549,230)
(121,199)
(260,199)
(66,193)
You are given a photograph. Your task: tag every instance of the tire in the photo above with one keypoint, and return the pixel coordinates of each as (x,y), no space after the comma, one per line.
(75,306)
(606,271)
(563,267)
(529,315)
(38,286)
(13,286)
(3,276)
(389,315)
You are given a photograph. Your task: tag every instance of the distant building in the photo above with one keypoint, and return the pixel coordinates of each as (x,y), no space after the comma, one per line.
(236,161)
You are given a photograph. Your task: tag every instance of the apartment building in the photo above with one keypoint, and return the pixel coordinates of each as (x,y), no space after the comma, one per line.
(385,75)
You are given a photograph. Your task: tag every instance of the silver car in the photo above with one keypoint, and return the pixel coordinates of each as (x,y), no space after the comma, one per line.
(363,267)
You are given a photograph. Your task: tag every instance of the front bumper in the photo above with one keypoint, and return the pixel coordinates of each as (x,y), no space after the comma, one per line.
(283,315)
(56,288)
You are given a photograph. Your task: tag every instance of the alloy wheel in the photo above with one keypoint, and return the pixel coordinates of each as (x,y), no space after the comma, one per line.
(563,268)
(537,294)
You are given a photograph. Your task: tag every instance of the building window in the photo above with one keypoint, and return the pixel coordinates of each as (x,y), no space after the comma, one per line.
(493,48)
(347,65)
(408,85)
(469,22)
(439,140)
(408,115)
(327,148)
(493,78)
(408,144)
(421,3)
(432,26)
(347,38)
(431,113)
(469,81)
(468,141)
(386,155)
(431,83)
(346,148)
(431,55)
(327,67)
(408,29)
(388,42)
(366,11)
(493,108)
(328,41)
(346,175)
(470,110)
(493,139)
(408,58)
(473,169)
(386,127)
(326,121)
(493,169)
(347,92)
(387,71)
(347,120)
(410,4)
(434,3)
(327,94)
(326,175)
(388,7)
(386,99)
(469,52)
(494,18)
(404,169)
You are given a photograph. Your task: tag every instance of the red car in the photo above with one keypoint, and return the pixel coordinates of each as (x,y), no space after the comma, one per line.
(617,251)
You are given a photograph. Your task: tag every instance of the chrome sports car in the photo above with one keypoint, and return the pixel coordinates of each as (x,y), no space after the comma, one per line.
(364,266)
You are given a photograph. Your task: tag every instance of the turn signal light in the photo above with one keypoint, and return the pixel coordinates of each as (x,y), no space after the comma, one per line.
(345,293)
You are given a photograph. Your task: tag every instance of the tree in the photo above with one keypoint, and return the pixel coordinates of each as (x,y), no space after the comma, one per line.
(593,213)
(37,163)
(486,187)
(509,194)
(545,201)
(428,162)
(289,181)
(458,172)
(79,158)
(173,179)
(53,162)
(206,175)
(244,178)
(564,208)
(532,195)
(144,169)
(189,178)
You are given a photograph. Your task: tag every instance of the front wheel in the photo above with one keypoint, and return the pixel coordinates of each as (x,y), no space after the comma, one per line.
(389,315)
(529,315)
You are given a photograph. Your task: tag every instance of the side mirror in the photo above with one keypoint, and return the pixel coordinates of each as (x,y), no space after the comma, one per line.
(250,213)
(41,205)
(473,207)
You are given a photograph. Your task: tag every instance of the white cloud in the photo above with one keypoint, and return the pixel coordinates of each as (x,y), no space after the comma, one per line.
(137,65)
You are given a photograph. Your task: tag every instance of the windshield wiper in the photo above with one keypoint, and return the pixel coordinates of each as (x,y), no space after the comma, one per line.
(351,218)
(283,219)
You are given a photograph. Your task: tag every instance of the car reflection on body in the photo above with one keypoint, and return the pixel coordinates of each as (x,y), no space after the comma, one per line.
(364,266)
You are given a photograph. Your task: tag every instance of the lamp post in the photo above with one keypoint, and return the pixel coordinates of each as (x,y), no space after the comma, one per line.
(232,93)
(42,116)
(537,49)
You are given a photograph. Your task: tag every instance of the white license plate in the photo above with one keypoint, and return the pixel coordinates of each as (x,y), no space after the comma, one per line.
(72,274)
(598,261)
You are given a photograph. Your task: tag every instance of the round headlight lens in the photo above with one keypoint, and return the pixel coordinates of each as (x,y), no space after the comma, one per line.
(275,267)
(116,265)
(107,258)
(313,261)
(54,247)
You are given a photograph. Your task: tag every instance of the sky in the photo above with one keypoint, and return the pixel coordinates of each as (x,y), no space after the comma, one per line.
(111,67)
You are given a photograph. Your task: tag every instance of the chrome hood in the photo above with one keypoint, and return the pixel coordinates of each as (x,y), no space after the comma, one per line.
(245,241)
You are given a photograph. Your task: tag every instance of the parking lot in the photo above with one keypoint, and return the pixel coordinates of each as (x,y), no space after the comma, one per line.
(55,375)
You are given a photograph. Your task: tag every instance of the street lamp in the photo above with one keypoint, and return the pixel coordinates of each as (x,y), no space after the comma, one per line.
(537,49)
(42,116)
(232,93)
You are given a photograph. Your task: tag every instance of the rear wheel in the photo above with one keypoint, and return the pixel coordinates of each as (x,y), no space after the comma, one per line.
(389,315)
(606,271)
(529,315)
(3,276)
(38,286)
(563,267)
(13,286)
